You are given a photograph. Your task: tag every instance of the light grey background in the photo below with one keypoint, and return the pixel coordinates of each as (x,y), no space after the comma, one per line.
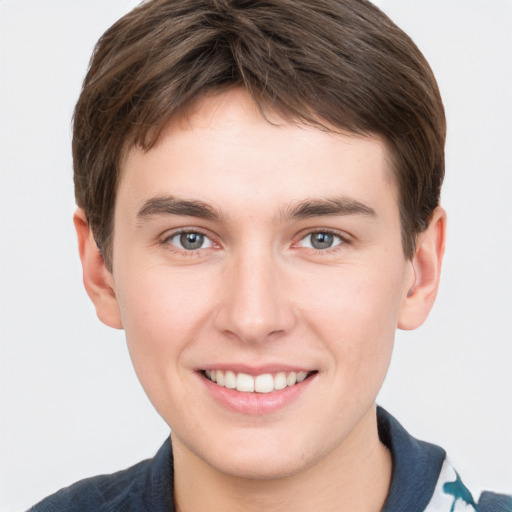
(70,404)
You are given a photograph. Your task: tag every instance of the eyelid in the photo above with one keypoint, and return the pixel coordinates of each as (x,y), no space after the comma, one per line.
(165,238)
(345,239)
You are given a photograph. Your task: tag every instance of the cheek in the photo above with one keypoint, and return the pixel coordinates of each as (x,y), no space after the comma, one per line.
(161,305)
(356,313)
(163,314)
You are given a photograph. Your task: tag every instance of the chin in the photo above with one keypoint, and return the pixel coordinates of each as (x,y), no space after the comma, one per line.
(263,459)
(262,468)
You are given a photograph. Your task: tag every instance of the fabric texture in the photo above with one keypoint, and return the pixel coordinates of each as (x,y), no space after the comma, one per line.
(423,480)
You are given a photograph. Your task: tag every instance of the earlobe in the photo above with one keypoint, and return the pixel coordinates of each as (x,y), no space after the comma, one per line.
(426,264)
(98,281)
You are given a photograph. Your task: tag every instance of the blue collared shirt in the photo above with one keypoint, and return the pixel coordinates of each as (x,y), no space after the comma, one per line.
(422,481)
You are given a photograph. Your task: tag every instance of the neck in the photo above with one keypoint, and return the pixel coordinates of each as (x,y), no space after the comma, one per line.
(355,476)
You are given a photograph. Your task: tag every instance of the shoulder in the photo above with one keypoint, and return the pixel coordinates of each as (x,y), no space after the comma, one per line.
(98,493)
(491,502)
(451,494)
(424,480)
(144,486)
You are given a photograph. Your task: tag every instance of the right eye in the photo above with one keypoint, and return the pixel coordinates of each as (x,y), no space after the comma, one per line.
(189,241)
(321,240)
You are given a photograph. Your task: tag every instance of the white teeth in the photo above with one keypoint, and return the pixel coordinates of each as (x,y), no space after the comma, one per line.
(300,376)
(265,383)
(291,379)
(244,382)
(280,381)
(230,380)
(220,378)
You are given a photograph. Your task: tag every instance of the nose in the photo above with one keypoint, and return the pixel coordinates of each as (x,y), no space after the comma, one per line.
(255,306)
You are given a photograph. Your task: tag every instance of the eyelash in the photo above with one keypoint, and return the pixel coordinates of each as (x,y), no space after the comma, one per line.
(166,239)
(166,242)
(343,241)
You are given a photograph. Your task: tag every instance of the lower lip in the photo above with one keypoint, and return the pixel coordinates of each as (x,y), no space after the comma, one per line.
(256,403)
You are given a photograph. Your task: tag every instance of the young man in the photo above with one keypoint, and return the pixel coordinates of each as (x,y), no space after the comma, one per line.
(258,189)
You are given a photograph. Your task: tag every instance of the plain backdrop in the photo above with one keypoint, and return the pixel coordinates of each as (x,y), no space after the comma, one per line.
(71,405)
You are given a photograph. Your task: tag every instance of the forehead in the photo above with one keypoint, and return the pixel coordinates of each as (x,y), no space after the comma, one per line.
(223,146)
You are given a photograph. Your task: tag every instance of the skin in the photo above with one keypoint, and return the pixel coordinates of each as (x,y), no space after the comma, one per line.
(257,293)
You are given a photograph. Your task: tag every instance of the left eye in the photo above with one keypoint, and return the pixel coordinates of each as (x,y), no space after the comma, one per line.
(190,241)
(321,240)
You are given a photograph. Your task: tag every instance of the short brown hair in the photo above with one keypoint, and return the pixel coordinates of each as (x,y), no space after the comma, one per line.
(335,64)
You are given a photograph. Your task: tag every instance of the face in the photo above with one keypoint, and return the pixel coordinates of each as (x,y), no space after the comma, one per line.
(268,258)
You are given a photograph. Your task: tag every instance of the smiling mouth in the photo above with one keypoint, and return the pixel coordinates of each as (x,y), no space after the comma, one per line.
(265,383)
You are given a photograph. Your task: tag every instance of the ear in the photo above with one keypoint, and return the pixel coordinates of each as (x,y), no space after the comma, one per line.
(425,273)
(98,281)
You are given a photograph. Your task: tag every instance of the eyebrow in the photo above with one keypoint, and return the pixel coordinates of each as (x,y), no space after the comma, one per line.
(325,207)
(169,205)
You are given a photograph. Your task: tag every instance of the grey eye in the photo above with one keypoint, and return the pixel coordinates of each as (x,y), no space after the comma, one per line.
(190,241)
(321,240)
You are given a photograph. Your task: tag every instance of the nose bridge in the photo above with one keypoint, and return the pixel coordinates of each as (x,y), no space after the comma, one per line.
(255,305)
